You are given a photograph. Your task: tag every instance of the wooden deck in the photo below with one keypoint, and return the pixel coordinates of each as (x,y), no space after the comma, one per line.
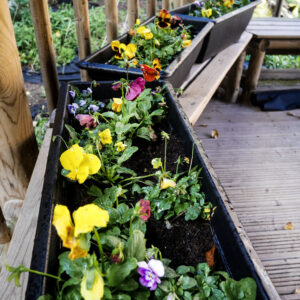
(257,160)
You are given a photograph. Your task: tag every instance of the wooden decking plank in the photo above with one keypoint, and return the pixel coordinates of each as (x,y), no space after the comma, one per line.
(256,159)
(199,93)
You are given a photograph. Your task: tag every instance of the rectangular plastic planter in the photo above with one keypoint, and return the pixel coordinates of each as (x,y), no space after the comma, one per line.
(47,244)
(226,31)
(176,73)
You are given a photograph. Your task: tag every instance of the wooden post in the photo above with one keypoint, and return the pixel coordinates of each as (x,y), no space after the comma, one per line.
(81,9)
(234,79)
(253,72)
(42,28)
(133,12)
(151,8)
(277,9)
(176,3)
(111,11)
(166,4)
(18,148)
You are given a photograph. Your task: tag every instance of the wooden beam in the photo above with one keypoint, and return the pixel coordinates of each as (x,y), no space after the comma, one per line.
(133,12)
(18,148)
(177,3)
(43,33)
(111,11)
(21,245)
(166,4)
(81,9)
(151,8)
(277,9)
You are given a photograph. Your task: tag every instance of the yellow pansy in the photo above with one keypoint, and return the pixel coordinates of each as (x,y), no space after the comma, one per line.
(166,183)
(117,104)
(186,43)
(80,164)
(115,45)
(105,136)
(130,50)
(206,12)
(135,61)
(207,210)
(156,163)
(147,34)
(89,216)
(120,146)
(137,22)
(97,290)
(140,29)
(228,3)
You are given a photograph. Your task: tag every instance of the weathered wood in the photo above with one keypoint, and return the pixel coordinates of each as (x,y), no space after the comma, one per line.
(21,245)
(18,148)
(133,12)
(277,8)
(81,9)
(111,11)
(280,74)
(151,8)
(166,4)
(199,93)
(234,79)
(42,28)
(4,232)
(176,3)
(254,69)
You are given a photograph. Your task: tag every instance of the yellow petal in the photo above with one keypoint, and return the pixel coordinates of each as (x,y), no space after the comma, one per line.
(71,158)
(89,216)
(117,104)
(82,174)
(76,251)
(140,29)
(92,162)
(97,290)
(166,183)
(105,136)
(63,223)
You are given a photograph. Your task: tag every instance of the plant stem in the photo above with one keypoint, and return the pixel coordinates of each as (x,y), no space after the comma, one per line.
(42,274)
(137,177)
(165,159)
(130,226)
(191,162)
(100,248)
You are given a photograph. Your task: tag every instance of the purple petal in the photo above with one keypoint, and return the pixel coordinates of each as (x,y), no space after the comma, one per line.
(142,271)
(72,94)
(144,282)
(153,287)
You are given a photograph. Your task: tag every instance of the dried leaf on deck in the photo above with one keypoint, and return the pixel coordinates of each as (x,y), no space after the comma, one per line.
(297,290)
(203,125)
(292,114)
(288,226)
(215,134)
(210,256)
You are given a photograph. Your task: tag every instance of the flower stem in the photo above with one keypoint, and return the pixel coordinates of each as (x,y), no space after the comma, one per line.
(100,248)
(137,177)
(165,160)
(191,159)
(130,226)
(43,274)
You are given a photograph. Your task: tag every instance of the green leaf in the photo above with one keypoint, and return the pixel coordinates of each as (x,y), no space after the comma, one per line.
(119,272)
(188,282)
(185,269)
(121,297)
(72,132)
(94,191)
(203,268)
(157,112)
(111,241)
(245,289)
(127,153)
(123,170)
(109,114)
(143,133)
(70,282)
(45,297)
(192,213)
(72,293)
(141,295)
(128,286)
(90,277)
(170,273)
(74,267)
(136,245)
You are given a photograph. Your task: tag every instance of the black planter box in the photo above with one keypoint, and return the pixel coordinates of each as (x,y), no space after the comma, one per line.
(226,31)
(47,244)
(176,73)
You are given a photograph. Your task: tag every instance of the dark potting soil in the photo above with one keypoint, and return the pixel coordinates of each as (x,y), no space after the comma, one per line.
(185,243)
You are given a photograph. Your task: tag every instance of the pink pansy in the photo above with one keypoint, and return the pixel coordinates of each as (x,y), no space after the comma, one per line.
(117,86)
(144,209)
(135,89)
(86,121)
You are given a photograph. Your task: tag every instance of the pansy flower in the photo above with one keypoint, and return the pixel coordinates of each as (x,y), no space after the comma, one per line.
(85,219)
(164,19)
(166,183)
(105,136)
(96,291)
(117,104)
(135,89)
(118,47)
(130,51)
(93,107)
(228,3)
(144,210)
(144,32)
(120,146)
(156,64)
(186,43)
(150,74)
(86,121)
(206,12)
(176,22)
(72,108)
(80,164)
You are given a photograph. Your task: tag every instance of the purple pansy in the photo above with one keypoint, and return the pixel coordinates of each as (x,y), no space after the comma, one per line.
(72,108)
(198,3)
(72,94)
(135,89)
(101,104)
(93,107)
(82,102)
(150,273)
(87,91)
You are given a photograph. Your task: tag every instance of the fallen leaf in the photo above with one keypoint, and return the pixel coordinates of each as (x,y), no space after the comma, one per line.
(297,290)
(210,256)
(203,125)
(292,114)
(214,134)
(288,226)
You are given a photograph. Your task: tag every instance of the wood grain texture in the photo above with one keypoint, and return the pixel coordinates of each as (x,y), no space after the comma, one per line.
(43,33)
(199,93)
(257,158)
(151,8)
(166,4)
(21,245)
(111,11)
(18,148)
(133,12)
(81,9)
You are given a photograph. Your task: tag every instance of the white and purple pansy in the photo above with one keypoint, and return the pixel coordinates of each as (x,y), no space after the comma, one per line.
(72,94)
(82,102)
(72,108)
(93,107)
(150,273)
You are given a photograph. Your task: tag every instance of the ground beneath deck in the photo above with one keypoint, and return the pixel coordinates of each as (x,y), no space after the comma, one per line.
(257,160)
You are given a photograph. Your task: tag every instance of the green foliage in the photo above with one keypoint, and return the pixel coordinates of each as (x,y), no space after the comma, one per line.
(63,30)
(282,61)
(40,125)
